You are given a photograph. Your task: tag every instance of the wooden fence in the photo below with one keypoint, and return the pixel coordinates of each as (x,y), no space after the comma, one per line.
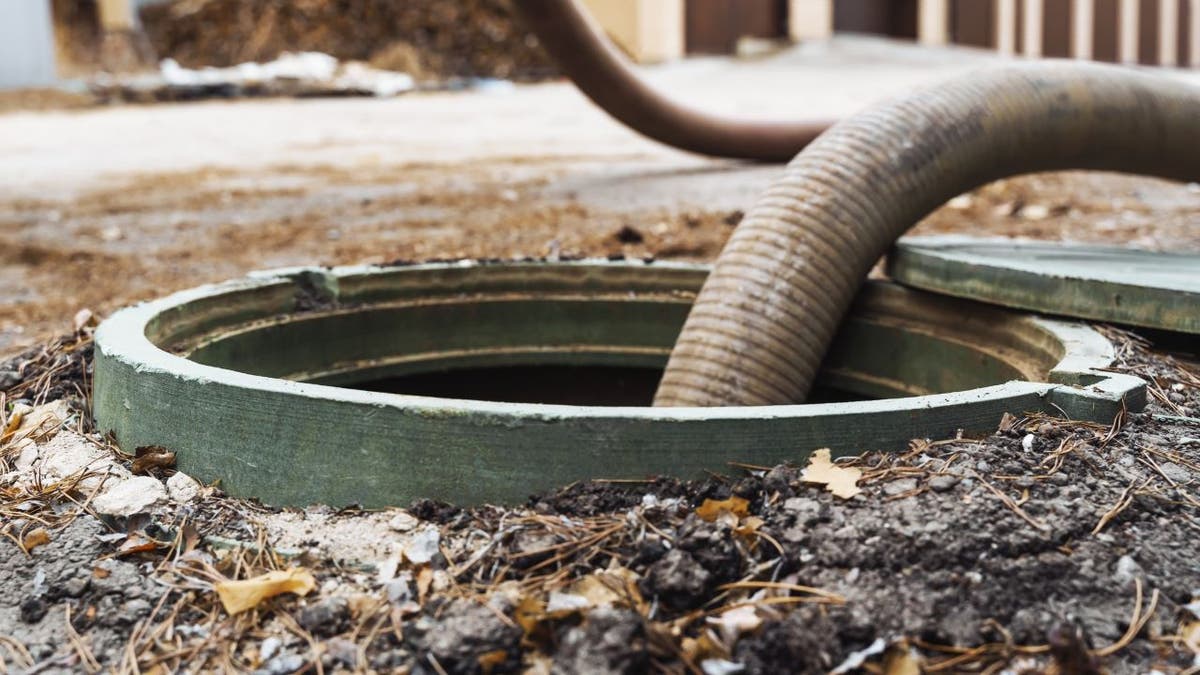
(1159,32)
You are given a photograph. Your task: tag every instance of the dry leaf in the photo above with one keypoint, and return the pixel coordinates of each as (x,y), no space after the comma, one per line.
(424,581)
(748,528)
(1191,636)
(529,613)
(901,660)
(701,648)
(489,660)
(36,537)
(600,590)
(136,544)
(712,509)
(839,480)
(151,457)
(736,622)
(239,596)
(14,421)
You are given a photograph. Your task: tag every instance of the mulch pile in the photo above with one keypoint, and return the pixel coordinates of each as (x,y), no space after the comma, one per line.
(429,39)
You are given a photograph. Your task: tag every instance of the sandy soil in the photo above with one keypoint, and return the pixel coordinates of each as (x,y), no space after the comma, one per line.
(103,207)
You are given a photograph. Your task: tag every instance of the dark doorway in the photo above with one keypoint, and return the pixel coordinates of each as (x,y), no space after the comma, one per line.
(715,26)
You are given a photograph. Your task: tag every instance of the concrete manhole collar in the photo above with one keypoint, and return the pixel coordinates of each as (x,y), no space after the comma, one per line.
(250,381)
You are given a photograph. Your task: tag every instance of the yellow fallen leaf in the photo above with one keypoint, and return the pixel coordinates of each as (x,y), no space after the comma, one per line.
(901,660)
(1191,636)
(36,538)
(841,481)
(14,422)
(239,596)
(529,613)
(712,509)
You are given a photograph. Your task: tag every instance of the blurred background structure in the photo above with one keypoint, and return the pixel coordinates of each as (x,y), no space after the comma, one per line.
(439,39)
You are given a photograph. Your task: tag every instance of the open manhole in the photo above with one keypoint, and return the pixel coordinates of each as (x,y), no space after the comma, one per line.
(479,382)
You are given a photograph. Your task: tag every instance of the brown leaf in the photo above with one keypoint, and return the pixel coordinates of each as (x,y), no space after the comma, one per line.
(712,509)
(1191,636)
(136,544)
(596,590)
(239,596)
(150,457)
(489,660)
(530,614)
(748,527)
(424,581)
(36,537)
(901,660)
(841,481)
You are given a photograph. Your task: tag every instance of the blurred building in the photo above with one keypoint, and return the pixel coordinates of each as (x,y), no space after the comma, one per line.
(26,44)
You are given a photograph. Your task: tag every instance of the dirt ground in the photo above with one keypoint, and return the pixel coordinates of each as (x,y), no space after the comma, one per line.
(102,207)
(1047,547)
(157,233)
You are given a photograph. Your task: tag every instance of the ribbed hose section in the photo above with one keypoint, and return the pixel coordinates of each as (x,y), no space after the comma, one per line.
(766,315)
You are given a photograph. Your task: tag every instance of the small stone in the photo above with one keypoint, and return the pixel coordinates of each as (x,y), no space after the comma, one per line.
(75,586)
(182,488)
(961,202)
(9,378)
(423,546)
(1127,570)
(1175,472)
(943,483)
(807,509)
(341,651)
(282,665)
(129,497)
(33,609)
(136,608)
(1035,212)
(269,648)
(1028,443)
(69,453)
(677,580)
(26,456)
(325,617)
(900,486)
(403,522)
(609,641)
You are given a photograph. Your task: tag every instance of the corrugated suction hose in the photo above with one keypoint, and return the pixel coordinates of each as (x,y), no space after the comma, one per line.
(766,315)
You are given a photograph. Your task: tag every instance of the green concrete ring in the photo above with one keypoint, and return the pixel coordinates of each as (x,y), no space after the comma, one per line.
(237,379)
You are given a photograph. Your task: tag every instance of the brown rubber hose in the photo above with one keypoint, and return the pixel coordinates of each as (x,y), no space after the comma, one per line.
(601,72)
(766,315)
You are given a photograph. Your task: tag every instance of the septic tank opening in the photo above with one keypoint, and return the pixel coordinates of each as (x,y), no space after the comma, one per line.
(276,370)
(555,384)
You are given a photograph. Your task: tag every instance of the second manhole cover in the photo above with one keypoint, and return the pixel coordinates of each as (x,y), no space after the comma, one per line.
(1119,285)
